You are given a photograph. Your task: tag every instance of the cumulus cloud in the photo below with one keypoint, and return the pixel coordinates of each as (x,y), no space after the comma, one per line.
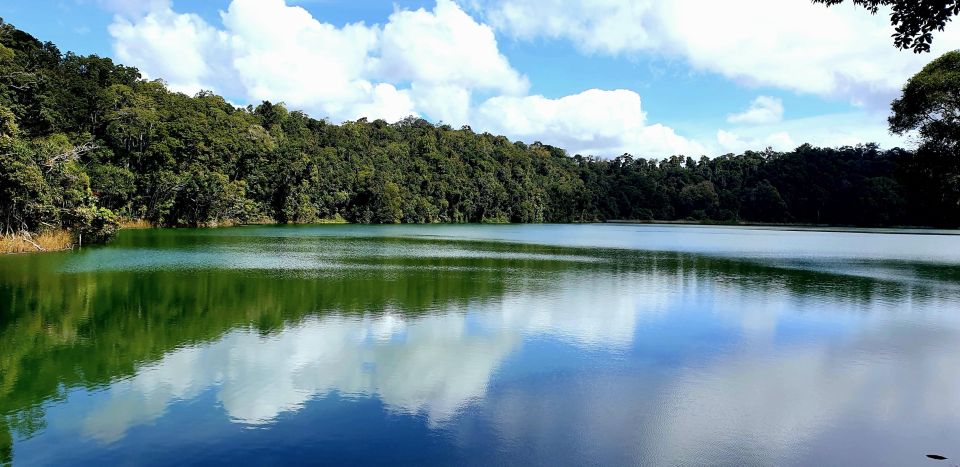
(829,130)
(591,122)
(180,48)
(265,51)
(837,52)
(732,142)
(443,47)
(447,103)
(283,53)
(441,64)
(445,65)
(609,26)
(763,109)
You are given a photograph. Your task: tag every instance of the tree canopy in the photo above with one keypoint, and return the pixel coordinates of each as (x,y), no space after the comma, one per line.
(914,20)
(930,103)
(83,139)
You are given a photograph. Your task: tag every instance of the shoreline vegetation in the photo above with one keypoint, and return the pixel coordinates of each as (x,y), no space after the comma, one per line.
(136,224)
(88,147)
(24,242)
(62,240)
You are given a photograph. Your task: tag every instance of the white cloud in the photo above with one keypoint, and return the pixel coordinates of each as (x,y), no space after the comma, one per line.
(180,48)
(830,130)
(732,142)
(383,101)
(445,47)
(792,44)
(763,109)
(435,63)
(282,53)
(592,122)
(445,65)
(266,50)
(609,26)
(447,103)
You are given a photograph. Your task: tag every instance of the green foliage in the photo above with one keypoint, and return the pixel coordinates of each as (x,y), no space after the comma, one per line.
(914,20)
(201,197)
(81,133)
(8,123)
(388,207)
(6,54)
(25,199)
(113,186)
(699,199)
(764,203)
(931,103)
(94,224)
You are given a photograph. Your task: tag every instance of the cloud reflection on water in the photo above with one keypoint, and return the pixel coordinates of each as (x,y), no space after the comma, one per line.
(655,358)
(432,364)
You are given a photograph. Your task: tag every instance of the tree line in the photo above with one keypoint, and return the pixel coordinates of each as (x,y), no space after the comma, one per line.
(85,141)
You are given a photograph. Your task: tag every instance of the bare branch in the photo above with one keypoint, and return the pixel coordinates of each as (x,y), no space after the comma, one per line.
(70,155)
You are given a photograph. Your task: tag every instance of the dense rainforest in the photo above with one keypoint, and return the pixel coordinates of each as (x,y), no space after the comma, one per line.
(85,142)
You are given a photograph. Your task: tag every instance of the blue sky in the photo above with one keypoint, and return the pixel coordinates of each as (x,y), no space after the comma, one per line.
(648,77)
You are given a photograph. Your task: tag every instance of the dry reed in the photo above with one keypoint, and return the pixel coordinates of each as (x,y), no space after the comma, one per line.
(135,224)
(54,240)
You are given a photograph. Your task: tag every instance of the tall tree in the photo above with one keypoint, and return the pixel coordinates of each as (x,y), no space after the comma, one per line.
(931,103)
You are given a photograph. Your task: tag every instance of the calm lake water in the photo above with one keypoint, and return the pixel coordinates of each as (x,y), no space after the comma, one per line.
(458,345)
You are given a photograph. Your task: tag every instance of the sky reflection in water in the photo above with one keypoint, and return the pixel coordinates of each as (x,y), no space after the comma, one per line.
(475,344)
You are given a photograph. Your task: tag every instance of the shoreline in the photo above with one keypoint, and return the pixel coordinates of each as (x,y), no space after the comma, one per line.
(62,240)
(45,242)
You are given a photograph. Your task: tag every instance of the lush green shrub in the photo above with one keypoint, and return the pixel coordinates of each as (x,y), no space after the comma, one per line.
(94,225)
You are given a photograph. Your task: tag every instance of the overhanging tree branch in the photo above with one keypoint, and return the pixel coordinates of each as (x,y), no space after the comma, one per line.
(914,21)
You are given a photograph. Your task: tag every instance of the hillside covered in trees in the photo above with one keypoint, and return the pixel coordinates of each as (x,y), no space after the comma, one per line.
(84,141)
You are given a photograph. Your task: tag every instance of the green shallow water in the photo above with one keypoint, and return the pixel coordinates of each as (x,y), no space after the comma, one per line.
(520,344)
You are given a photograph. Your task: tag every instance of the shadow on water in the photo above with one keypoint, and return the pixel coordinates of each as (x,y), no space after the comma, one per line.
(87,319)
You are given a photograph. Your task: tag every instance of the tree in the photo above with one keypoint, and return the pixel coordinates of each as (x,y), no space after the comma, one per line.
(699,200)
(930,103)
(914,20)
(78,134)
(112,185)
(25,200)
(387,207)
(94,225)
(764,203)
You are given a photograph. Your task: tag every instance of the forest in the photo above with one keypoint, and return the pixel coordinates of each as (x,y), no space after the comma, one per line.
(86,143)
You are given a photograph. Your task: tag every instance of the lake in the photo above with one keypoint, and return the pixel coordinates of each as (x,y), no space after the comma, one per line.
(612,344)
